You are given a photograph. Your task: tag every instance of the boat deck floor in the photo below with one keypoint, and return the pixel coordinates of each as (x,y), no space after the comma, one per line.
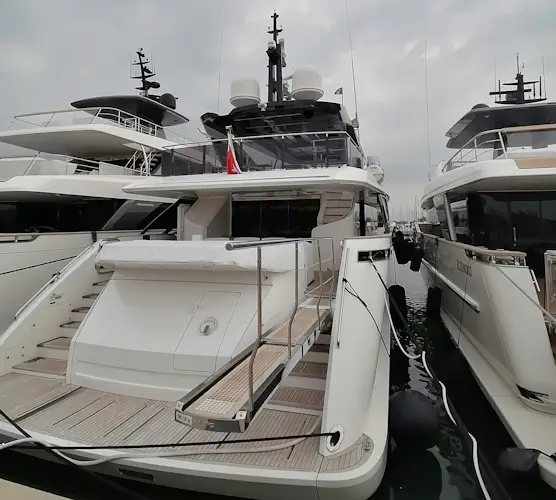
(85,416)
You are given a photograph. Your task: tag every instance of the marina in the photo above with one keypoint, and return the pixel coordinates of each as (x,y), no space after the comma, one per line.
(224,305)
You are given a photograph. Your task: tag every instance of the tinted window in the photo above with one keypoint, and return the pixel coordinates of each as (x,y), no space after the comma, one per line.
(375,215)
(442,215)
(489,221)
(63,216)
(135,215)
(461,221)
(384,207)
(8,218)
(519,220)
(279,218)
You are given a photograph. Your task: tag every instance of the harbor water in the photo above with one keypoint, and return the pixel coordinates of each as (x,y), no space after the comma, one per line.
(444,472)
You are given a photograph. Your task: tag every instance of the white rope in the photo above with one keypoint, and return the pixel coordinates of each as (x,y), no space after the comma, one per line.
(407,355)
(444,396)
(473,440)
(163,454)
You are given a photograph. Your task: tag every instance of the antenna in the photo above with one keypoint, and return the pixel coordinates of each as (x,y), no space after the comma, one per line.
(543,78)
(275,62)
(145,74)
(494,73)
(519,95)
(219,72)
(427,99)
(352,67)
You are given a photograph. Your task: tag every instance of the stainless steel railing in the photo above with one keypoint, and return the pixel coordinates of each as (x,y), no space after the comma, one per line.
(90,116)
(231,246)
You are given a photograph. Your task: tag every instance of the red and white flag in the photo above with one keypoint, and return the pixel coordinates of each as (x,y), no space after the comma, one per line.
(232,166)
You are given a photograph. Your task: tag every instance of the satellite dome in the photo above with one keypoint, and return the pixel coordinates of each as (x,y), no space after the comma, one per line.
(480,106)
(245,91)
(168,100)
(307,84)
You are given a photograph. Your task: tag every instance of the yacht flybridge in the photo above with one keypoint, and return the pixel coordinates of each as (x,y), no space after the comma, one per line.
(56,203)
(491,257)
(266,319)
(119,134)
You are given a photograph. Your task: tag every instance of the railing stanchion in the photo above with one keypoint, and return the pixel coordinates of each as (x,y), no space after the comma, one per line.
(321,284)
(259,330)
(296,304)
(502,143)
(333,284)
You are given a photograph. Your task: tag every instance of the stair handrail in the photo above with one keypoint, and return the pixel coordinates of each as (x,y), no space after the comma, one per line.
(56,276)
(231,246)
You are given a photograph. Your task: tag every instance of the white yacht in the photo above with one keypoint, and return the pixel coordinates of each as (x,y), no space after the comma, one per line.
(267,319)
(490,257)
(69,193)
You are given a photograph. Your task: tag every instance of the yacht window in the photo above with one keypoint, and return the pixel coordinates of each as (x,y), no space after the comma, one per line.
(432,219)
(375,214)
(66,215)
(8,218)
(384,208)
(274,218)
(442,215)
(524,221)
(136,214)
(461,221)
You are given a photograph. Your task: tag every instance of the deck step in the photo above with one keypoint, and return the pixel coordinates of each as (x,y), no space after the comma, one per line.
(82,309)
(310,369)
(91,295)
(101,283)
(295,397)
(62,343)
(47,366)
(303,321)
(70,324)
(320,348)
(314,288)
(222,407)
(219,409)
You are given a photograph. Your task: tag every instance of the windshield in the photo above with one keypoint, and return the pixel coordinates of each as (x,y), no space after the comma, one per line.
(535,138)
(276,152)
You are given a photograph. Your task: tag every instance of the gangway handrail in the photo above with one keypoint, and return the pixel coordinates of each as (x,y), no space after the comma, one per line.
(231,246)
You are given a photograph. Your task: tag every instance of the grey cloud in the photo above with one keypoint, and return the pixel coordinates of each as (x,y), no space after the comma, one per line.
(54,52)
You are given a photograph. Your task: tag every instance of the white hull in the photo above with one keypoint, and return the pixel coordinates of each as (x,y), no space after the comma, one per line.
(503,338)
(257,482)
(75,406)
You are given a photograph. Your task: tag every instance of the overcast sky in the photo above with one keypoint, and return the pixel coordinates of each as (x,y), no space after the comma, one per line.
(56,51)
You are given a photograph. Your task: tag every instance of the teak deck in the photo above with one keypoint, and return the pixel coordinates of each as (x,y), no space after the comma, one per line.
(92,417)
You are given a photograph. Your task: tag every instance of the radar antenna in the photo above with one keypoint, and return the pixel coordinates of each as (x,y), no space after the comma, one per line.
(276,61)
(145,74)
(519,94)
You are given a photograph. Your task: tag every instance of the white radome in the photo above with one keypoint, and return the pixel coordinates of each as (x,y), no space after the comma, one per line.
(245,91)
(307,84)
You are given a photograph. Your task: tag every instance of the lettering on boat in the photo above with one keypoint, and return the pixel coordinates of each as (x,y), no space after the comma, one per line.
(464,268)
